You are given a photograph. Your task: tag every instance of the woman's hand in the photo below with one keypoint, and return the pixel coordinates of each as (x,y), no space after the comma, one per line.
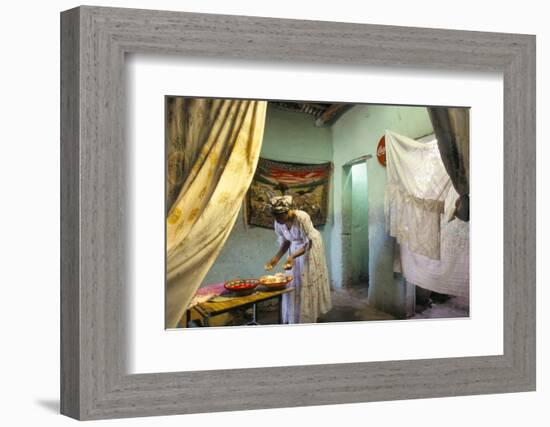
(288,264)
(271,263)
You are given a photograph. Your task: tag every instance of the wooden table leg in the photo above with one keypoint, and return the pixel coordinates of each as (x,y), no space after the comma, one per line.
(187,317)
(254,314)
(254,320)
(202,314)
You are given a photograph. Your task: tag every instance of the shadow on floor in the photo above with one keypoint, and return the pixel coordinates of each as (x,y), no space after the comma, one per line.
(51,405)
(350,305)
(452,307)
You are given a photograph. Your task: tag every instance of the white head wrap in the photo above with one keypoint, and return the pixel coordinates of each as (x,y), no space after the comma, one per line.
(280,204)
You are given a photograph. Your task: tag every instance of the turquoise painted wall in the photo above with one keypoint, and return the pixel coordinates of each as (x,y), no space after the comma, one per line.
(288,136)
(359,223)
(355,134)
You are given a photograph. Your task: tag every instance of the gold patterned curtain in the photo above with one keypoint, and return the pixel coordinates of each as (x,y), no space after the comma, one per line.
(213,149)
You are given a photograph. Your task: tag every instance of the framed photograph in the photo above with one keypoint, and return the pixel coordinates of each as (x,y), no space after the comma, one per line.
(262,213)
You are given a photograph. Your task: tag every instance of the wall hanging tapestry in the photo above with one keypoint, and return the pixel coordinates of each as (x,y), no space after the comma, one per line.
(308,184)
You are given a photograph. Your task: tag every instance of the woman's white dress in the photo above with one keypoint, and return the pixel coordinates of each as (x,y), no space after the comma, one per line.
(311,296)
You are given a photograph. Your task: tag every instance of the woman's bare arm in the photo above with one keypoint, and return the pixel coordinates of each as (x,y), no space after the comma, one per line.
(275,260)
(301,251)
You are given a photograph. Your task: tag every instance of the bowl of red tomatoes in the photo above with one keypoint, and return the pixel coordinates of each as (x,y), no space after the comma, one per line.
(241,286)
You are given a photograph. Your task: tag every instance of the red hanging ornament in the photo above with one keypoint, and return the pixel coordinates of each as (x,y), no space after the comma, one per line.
(381,151)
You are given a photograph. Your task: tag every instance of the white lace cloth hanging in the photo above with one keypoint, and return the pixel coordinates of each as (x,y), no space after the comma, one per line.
(417,185)
(451,274)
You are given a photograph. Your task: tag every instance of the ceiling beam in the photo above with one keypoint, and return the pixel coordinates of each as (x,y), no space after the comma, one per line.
(331,114)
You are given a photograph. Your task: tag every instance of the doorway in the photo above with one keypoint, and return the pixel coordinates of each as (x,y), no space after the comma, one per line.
(355,225)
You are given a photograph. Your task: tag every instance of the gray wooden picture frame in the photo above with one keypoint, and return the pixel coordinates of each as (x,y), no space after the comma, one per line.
(94,382)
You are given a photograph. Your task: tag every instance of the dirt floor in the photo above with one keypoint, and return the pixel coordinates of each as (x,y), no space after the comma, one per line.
(450,308)
(349,305)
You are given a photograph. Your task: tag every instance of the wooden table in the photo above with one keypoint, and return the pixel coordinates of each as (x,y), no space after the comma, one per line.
(210,309)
